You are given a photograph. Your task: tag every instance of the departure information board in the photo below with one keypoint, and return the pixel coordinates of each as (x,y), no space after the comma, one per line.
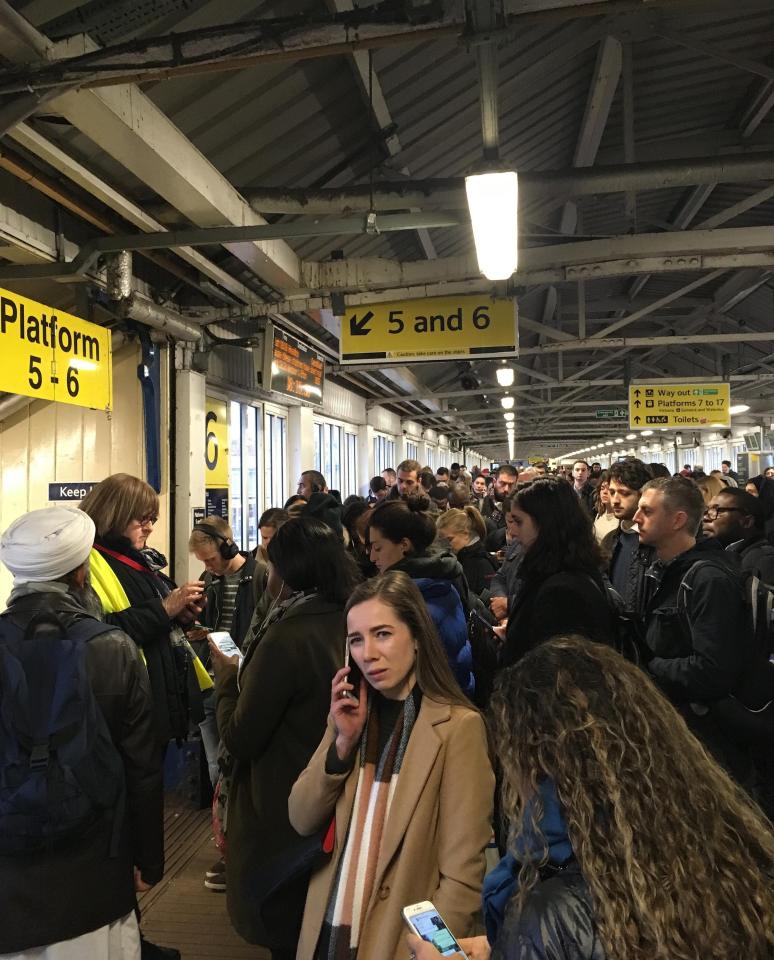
(292,368)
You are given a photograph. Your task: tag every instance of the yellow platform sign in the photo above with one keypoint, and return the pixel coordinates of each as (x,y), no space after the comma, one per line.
(447,327)
(216,443)
(52,355)
(700,406)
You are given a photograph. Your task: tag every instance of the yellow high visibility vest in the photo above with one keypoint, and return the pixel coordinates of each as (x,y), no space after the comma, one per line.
(111,593)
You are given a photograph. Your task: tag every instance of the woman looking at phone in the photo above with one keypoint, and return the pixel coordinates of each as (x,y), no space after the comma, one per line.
(628,842)
(271,713)
(404,765)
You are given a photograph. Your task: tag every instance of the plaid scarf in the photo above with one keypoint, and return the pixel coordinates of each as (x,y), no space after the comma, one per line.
(356,873)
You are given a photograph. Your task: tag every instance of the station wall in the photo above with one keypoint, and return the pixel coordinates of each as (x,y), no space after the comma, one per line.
(47,442)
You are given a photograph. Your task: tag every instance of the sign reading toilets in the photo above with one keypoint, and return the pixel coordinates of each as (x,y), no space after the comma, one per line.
(50,355)
(679,405)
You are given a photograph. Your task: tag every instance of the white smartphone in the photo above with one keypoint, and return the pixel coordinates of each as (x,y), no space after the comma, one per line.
(426,922)
(354,674)
(223,641)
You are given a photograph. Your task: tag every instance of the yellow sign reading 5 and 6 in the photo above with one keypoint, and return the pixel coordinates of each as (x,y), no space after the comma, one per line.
(449,327)
(51,355)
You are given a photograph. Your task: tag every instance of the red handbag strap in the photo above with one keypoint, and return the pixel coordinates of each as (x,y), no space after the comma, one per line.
(121,557)
(330,837)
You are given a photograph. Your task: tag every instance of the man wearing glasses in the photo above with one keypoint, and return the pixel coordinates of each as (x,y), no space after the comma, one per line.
(735,519)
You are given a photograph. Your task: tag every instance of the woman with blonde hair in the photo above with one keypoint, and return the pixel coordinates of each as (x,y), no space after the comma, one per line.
(137,597)
(404,770)
(710,487)
(627,840)
(465,531)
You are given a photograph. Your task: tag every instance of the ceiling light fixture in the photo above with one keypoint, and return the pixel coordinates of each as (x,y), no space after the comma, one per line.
(506,403)
(493,200)
(504,376)
(509,416)
(646,433)
(738,408)
(631,436)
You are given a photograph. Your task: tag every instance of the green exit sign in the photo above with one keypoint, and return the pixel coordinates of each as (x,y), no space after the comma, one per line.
(612,413)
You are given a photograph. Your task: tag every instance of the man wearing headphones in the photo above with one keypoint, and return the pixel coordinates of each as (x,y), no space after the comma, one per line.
(229,600)
(228,579)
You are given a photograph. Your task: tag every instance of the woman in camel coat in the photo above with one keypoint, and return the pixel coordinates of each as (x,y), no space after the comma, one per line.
(438,823)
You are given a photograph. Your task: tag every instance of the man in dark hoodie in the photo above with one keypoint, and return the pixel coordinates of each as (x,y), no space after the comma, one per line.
(320,503)
(695,616)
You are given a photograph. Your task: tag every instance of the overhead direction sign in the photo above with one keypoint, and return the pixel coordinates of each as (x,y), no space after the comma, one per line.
(679,405)
(52,355)
(453,328)
(612,413)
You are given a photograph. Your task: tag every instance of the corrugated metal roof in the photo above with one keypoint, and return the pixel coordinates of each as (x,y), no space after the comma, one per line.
(307,124)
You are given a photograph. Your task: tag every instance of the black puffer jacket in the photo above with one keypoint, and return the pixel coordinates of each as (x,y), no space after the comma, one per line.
(62,894)
(557,923)
(699,645)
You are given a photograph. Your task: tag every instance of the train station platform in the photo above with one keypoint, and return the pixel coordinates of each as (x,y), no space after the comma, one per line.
(180,911)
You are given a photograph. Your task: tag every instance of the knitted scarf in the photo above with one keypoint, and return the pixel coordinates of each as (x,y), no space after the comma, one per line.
(354,883)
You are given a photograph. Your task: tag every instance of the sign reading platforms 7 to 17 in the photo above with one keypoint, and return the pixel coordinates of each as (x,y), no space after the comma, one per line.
(448,327)
(679,405)
(52,355)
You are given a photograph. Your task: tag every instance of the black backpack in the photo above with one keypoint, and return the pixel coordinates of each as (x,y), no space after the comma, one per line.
(750,710)
(59,769)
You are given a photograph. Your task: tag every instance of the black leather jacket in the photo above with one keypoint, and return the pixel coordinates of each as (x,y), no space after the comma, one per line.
(638,586)
(557,923)
(61,894)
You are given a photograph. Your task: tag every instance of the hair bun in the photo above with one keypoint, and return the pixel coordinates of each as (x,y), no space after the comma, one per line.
(417,502)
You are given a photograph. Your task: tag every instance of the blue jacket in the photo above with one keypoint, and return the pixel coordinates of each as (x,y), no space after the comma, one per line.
(437,576)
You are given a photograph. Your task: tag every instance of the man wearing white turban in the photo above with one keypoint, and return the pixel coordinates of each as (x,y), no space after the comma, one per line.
(79,899)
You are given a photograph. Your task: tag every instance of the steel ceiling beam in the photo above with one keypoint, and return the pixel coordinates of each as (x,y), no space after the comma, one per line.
(449,193)
(130,127)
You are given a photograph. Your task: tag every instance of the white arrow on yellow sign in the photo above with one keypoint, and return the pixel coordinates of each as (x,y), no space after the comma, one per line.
(448,327)
(664,403)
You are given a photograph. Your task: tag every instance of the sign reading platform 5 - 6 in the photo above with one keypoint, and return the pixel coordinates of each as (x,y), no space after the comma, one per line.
(448,327)
(51,355)
(676,405)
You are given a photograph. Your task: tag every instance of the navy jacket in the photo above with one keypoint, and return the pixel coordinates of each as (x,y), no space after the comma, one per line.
(435,574)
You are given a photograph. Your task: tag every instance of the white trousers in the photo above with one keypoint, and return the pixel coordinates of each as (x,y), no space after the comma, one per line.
(119,940)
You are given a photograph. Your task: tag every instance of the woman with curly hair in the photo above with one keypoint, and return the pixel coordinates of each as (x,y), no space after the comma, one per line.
(627,841)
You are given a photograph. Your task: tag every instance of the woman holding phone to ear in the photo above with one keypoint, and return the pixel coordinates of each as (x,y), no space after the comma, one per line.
(404,766)
(271,713)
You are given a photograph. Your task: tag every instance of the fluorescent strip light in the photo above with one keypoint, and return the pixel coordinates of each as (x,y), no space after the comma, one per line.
(738,408)
(493,200)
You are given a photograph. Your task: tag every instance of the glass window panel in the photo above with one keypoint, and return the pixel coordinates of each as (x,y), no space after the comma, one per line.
(235,469)
(336,458)
(318,447)
(250,477)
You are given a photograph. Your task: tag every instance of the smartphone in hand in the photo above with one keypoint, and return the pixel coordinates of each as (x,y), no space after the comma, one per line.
(354,675)
(426,922)
(223,641)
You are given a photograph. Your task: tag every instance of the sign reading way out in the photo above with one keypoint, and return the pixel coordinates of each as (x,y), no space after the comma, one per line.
(51,355)
(679,405)
(448,327)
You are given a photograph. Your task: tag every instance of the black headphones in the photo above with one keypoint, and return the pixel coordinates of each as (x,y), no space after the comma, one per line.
(227,548)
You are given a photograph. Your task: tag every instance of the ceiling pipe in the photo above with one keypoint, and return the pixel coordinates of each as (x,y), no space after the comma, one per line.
(557,185)
(90,252)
